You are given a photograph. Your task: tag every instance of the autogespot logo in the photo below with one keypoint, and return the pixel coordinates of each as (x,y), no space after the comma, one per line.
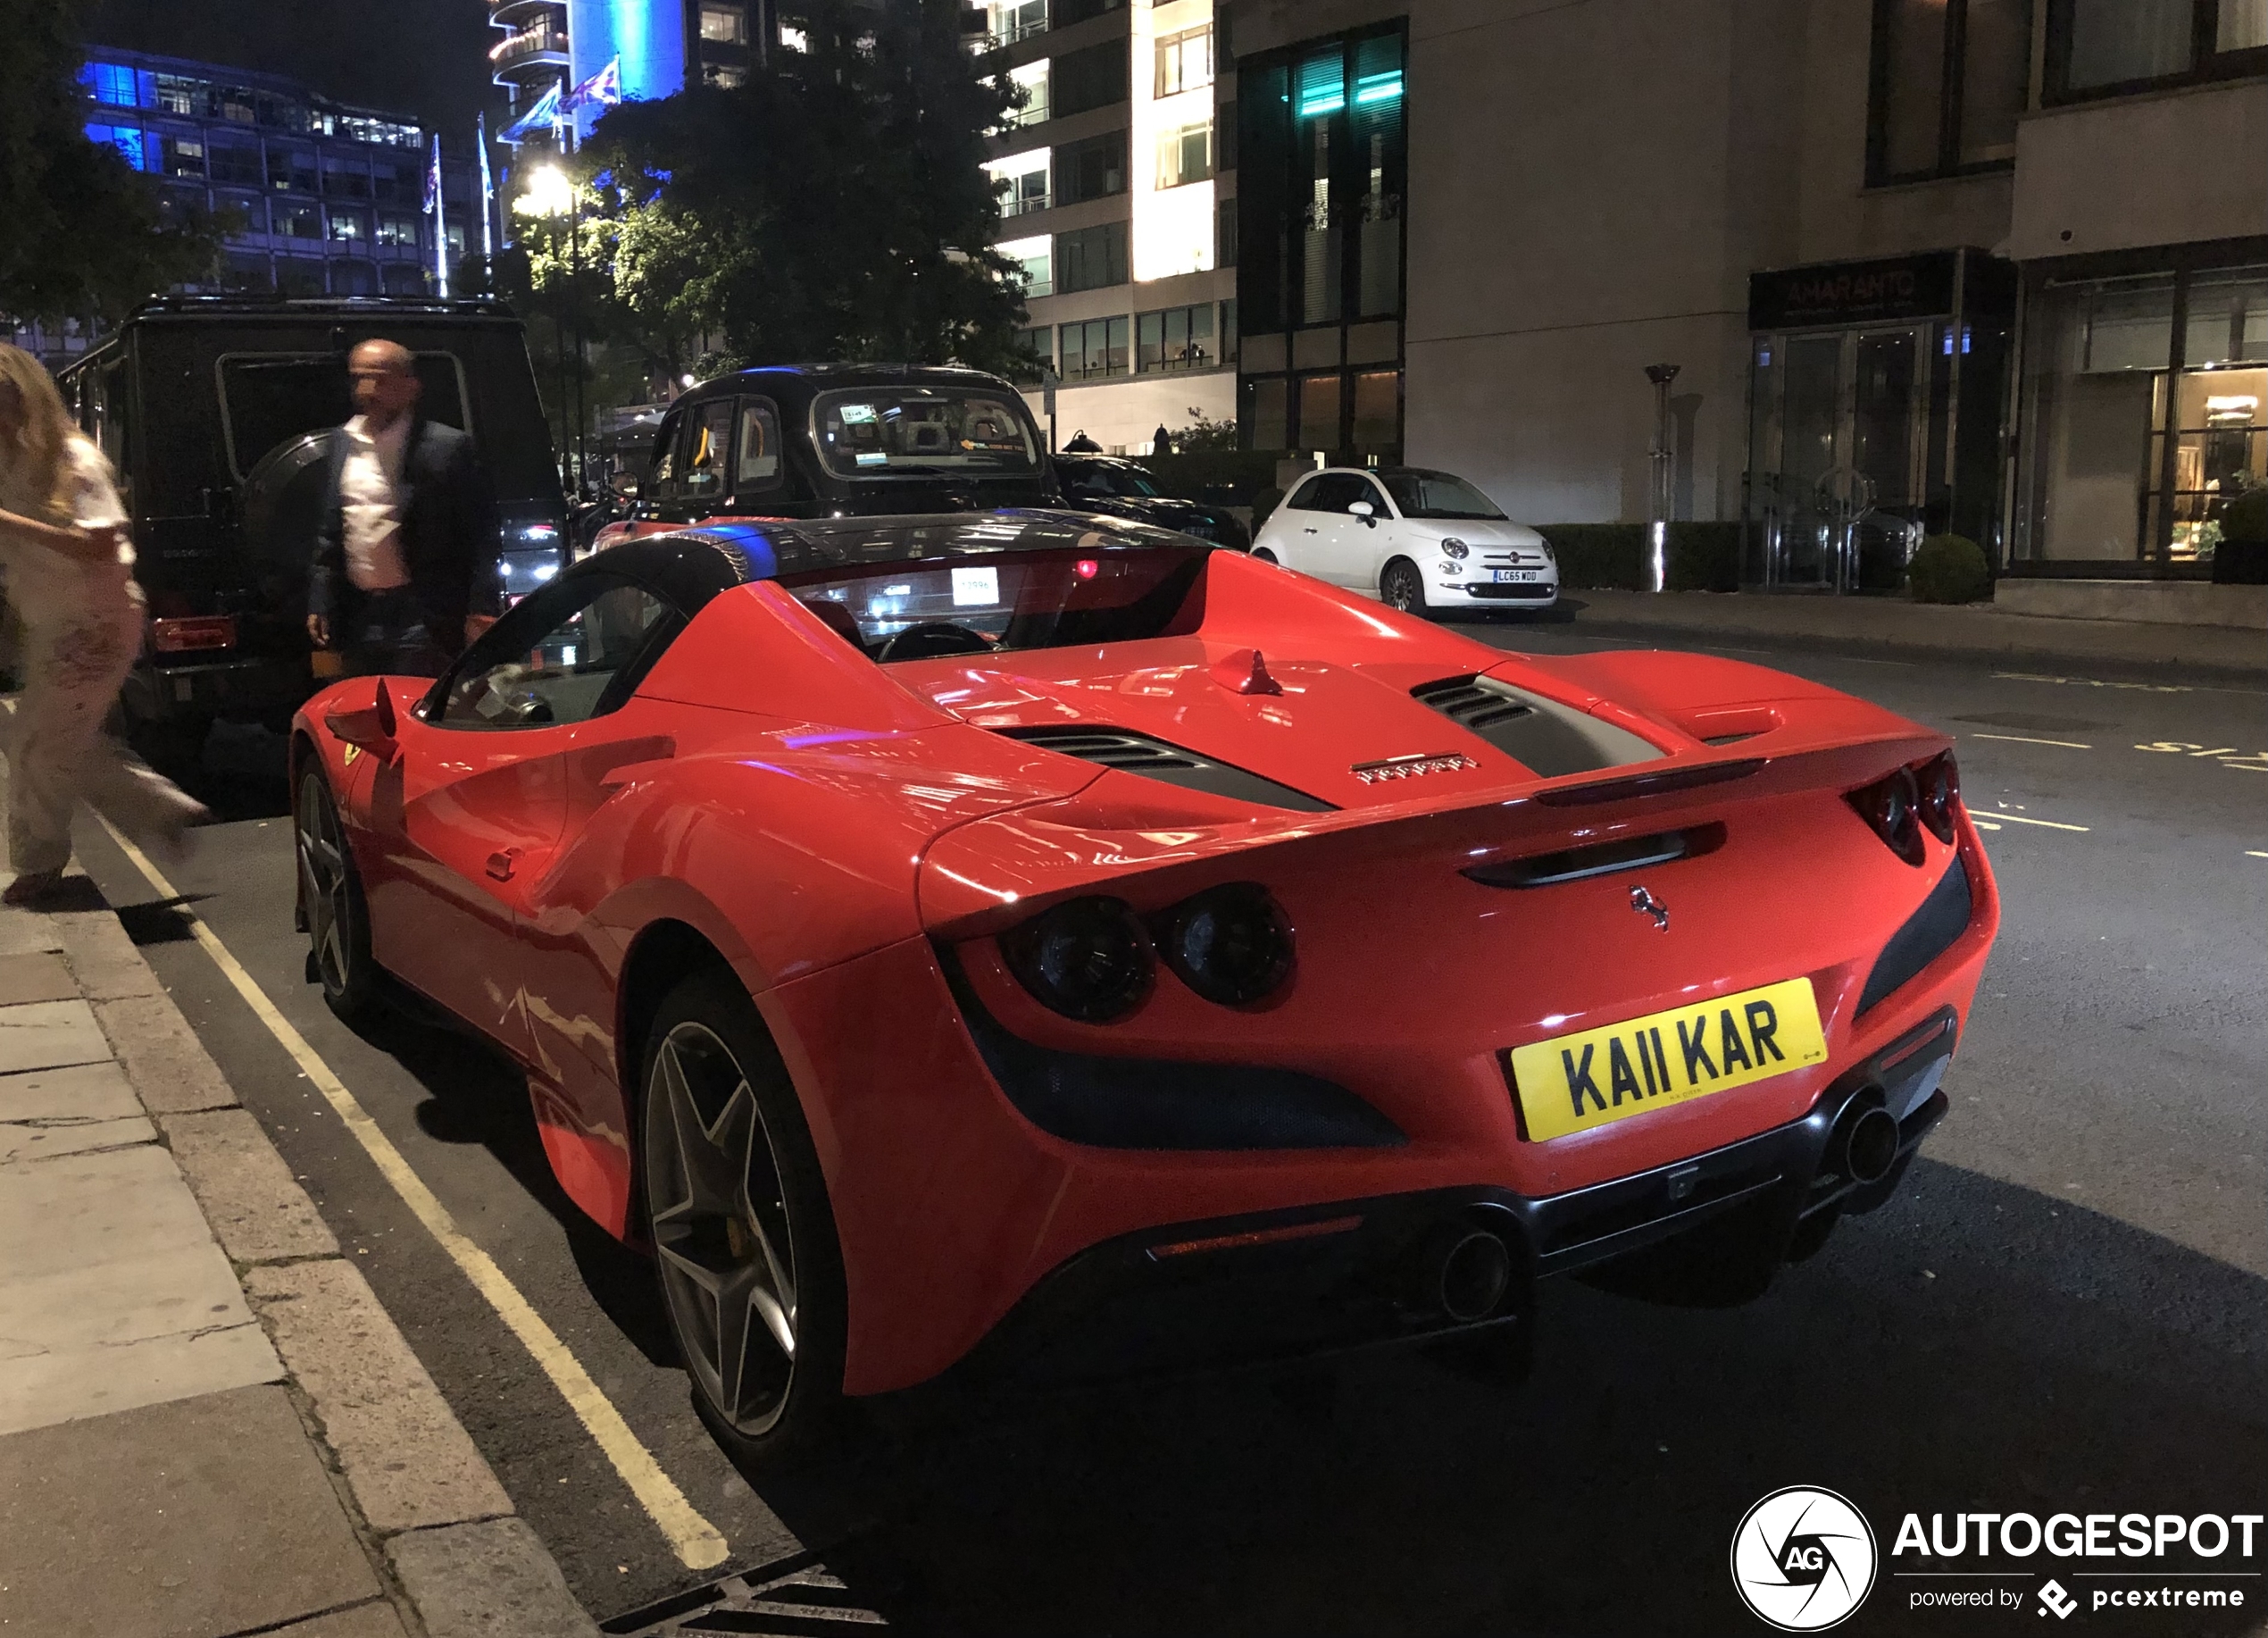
(1802,1558)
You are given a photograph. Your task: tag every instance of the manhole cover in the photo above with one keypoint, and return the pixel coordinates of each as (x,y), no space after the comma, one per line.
(795,1598)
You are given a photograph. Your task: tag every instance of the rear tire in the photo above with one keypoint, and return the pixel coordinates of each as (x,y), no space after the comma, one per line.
(1401,588)
(330,896)
(743,1239)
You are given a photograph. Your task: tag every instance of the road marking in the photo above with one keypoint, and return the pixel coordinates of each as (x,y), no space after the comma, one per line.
(1852,659)
(696,1541)
(2255,853)
(2017,738)
(2051,824)
(2223,755)
(1983,825)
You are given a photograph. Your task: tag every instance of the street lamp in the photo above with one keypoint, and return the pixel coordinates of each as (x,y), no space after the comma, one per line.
(552,195)
(1654,571)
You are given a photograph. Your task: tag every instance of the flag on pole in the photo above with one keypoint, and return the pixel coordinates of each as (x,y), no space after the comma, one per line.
(487,189)
(603,89)
(543,116)
(433,203)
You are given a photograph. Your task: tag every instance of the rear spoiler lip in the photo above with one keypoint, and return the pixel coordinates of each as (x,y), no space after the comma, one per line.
(962,893)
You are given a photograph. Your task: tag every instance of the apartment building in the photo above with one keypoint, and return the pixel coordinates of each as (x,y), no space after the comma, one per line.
(656,47)
(2000,266)
(1119,204)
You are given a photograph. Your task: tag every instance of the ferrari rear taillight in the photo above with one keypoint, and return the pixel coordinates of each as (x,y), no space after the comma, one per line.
(1233,944)
(1086,958)
(1891,808)
(1940,779)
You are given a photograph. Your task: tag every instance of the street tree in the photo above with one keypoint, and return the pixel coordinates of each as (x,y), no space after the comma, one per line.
(833,206)
(80,233)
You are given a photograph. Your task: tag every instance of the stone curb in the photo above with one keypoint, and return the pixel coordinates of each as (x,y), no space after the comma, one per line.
(426,1501)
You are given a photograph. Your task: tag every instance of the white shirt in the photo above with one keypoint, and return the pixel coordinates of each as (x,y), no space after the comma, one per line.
(370,493)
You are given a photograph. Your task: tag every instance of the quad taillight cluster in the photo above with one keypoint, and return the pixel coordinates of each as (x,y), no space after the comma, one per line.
(1926,795)
(1096,960)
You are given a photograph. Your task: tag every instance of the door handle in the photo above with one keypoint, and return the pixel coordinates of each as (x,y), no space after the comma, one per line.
(502,861)
(1307,531)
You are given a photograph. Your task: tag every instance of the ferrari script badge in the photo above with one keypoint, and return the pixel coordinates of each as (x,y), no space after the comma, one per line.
(1411,767)
(1646,904)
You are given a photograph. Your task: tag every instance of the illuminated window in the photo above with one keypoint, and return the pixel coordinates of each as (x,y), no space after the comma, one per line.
(347,226)
(184,156)
(725,24)
(794,39)
(1184,154)
(1026,175)
(1094,350)
(1185,60)
(397,230)
(1176,338)
(116,86)
(126,139)
(299,221)
(1031,83)
(1035,261)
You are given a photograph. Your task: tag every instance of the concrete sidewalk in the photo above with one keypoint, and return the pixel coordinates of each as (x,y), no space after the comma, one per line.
(208,1426)
(1894,625)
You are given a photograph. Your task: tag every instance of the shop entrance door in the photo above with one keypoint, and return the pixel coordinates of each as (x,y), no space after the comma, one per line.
(1843,426)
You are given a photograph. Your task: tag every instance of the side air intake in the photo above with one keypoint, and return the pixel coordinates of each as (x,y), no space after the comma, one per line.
(1134,753)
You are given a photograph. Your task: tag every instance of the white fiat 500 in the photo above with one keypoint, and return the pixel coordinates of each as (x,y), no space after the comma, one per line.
(1423,541)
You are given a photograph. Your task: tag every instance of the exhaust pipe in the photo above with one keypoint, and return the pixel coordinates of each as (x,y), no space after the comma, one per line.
(1864,1147)
(1463,1271)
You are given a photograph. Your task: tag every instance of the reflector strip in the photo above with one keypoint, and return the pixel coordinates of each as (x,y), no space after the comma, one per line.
(1259,1237)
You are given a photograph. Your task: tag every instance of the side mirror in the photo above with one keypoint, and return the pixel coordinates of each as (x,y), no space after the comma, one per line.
(1363,510)
(369,728)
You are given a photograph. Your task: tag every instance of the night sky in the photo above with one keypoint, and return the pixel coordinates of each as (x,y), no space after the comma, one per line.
(425,57)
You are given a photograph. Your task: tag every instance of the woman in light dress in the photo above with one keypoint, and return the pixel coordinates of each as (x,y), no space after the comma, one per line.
(70,580)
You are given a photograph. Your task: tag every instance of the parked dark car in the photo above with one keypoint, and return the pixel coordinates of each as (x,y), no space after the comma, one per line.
(218,413)
(822,440)
(1108,484)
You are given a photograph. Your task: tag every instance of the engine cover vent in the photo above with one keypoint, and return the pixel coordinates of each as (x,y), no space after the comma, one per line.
(1550,739)
(1135,752)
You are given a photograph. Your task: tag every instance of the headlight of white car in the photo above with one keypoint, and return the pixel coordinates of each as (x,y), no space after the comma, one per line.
(1457,549)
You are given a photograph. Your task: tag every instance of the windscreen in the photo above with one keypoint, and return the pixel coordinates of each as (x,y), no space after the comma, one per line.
(270,398)
(998,604)
(882,430)
(1080,479)
(1437,495)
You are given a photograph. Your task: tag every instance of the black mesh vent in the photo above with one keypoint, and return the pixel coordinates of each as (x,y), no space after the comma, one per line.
(1550,739)
(1928,933)
(1134,753)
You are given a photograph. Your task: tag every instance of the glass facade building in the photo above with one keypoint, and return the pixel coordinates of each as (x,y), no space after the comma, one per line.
(325,198)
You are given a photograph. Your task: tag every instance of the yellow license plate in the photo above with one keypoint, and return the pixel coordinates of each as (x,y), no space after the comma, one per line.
(1575,1082)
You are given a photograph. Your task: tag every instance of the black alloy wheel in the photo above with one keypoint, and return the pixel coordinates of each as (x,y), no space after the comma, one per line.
(743,1238)
(1400,589)
(330,897)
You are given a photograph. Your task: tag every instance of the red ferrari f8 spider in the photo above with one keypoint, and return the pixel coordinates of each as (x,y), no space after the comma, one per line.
(1043,945)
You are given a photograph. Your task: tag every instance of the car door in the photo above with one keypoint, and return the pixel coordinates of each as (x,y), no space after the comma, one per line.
(1343,543)
(1365,543)
(1307,531)
(477,799)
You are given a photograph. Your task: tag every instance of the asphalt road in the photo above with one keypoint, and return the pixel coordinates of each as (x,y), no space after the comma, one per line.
(2065,1310)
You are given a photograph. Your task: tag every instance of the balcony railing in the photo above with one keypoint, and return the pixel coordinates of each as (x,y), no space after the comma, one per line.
(1023,205)
(534,41)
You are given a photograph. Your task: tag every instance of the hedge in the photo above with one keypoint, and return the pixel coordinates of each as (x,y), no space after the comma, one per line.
(1607,556)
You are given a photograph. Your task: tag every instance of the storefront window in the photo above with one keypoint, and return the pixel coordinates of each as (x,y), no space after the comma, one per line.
(1267,413)
(2220,432)
(1378,410)
(1319,412)
(2143,414)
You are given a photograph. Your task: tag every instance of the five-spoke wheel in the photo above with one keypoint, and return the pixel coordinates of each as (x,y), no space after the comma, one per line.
(739,1223)
(330,897)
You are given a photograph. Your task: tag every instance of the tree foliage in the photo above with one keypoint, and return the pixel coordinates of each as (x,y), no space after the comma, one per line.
(834,206)
(81,235)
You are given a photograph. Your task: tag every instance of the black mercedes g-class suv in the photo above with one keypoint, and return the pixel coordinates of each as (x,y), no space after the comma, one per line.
(218,412)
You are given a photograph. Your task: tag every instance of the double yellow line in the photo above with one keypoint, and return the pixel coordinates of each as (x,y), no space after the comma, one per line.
(696,1541)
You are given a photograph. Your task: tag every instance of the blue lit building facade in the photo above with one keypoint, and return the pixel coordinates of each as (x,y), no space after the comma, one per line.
(662,46)
(331,198)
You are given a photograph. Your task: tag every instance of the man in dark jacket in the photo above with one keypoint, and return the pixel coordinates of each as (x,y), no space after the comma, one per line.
(405,568)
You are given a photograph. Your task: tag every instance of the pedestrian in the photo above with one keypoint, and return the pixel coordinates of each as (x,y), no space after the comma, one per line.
(1160,440)
(71,585)
(405,547)
(1081,444)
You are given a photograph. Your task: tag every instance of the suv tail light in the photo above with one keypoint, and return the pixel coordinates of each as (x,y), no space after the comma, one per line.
(192,634)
